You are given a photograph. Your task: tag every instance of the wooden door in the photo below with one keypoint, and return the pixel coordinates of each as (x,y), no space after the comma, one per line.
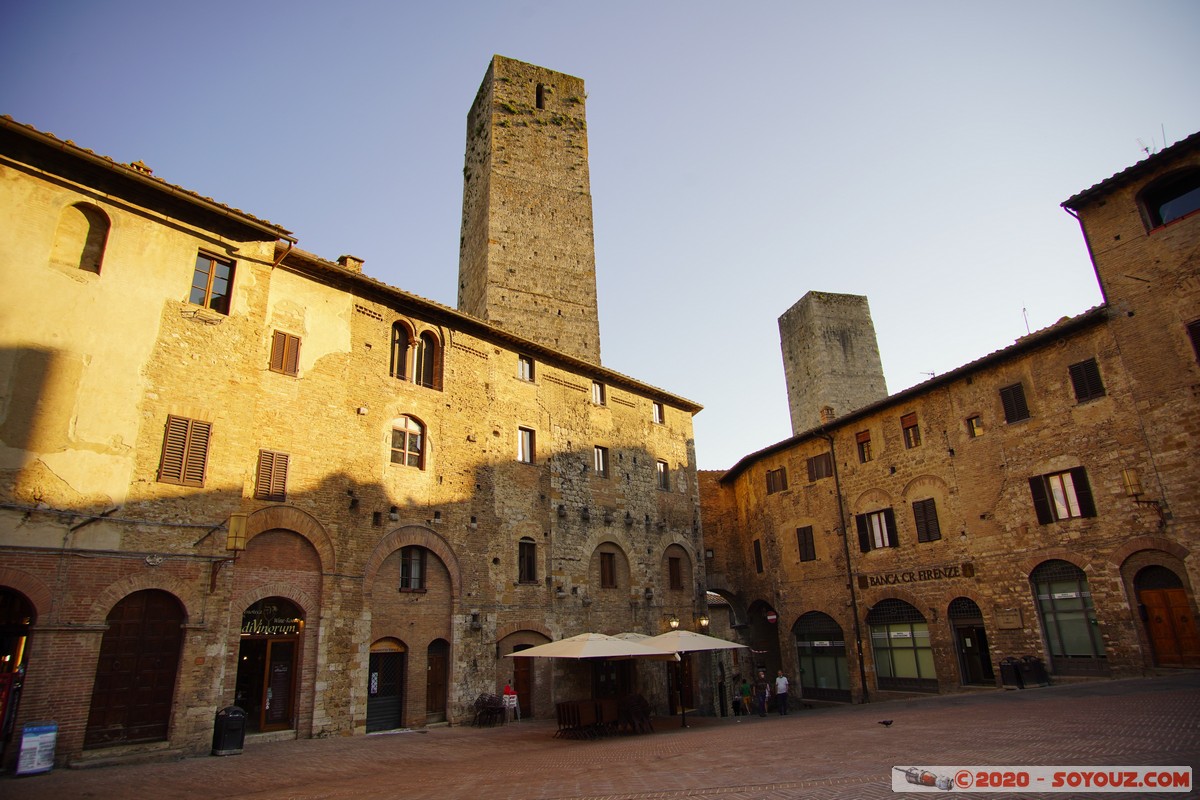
(523,683)
(1171,627)
(436,681)
(279,702)
(135,674)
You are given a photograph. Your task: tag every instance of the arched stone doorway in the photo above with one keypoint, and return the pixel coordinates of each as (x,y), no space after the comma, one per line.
(821,657)
(268,664)
(1064,603)
(970,642)
(1170,624)
(901,648)
(763,635)
(134,686)
(16,621)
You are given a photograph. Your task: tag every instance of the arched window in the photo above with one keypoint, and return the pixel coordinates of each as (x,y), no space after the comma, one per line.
(399,358)
(408,442)
(428,366)
(81,237)
(1064,602)
(1172,197)
(821,655)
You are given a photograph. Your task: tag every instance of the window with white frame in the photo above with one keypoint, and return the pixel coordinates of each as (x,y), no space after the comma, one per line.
(876,529)
(1062,495)
(525,445)
(600,461)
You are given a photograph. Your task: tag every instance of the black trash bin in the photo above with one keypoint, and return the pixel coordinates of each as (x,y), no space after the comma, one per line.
(1033,671)
(229,731)
(1010,673)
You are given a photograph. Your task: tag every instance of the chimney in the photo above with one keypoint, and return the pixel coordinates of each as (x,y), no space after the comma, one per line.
(352,263)
(827,415)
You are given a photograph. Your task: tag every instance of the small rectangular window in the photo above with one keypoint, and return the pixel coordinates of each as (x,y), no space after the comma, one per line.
(1085,378)
(1062,495)
(804,541)
(675,572)
(658,413)
(608,570)
(599,393)
(664,475)
(876,530)
(912,432)
(600,461)
(925,516)
(285,353)
(974,426)
(412,569)
(758,559)
(1013,400)
(525,445)
(820,466)
(185,451)
(525,368)
(863,439)
(211,283)
(527,561)
(271,475)
(776,480)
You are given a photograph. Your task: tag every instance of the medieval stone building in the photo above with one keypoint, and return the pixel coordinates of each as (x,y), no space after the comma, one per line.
(234,472)
(1041,501)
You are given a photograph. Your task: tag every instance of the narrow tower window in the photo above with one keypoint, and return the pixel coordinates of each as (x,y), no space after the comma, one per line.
(541,96)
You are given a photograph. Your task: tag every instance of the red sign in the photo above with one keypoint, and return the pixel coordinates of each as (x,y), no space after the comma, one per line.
(772,617)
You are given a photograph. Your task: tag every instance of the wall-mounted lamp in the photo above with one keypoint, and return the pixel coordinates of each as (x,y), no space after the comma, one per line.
(628,518)
(1133,488)
(673,622)
(703,621)
(649,594)
(235,539)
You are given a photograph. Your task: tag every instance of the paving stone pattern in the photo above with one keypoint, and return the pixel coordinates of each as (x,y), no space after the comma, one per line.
(824,752)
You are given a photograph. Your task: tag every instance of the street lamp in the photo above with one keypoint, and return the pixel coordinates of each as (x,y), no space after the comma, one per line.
(703,621)
(673,622)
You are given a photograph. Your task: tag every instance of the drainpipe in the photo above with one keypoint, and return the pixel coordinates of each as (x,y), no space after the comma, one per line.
(858,639)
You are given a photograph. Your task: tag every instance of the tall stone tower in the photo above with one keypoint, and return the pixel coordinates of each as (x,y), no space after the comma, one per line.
(527,260)
(830,358)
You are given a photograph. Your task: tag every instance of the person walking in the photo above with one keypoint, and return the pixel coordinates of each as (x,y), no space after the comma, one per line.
(745,692)
(781,693)
(762,692)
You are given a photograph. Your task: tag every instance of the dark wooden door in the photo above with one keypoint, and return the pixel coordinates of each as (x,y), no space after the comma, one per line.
(523,683)
(135,674)
(280,697)
(1171,627)
(973,656)
(385,691)
(436,683)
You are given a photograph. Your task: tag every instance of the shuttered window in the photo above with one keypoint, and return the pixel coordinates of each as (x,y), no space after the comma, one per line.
(776,480)
(272,472)
(1013,400)
(1062,495)
(925,516)
(185,451)
(876,529)
(912,432)
(804,541)
(820,466)
(285,353)
(863,440)
(1085,378)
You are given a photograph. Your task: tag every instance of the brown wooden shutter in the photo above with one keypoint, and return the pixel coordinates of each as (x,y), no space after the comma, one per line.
(1041,501)
(197,453)
(864,533)
(174,451)
(285,353)
(271,481)
(1083,492)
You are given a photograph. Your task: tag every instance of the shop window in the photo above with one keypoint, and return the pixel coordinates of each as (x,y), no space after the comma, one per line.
(1062,495)
(1068,617)
(185,451)
(211,283)
(271,476)
(776,480)
(285,353)
(804,541)
(1013,400)
(1085,378)
(901,646)
(876,529)
(912,431)
(925,516)
(863,440)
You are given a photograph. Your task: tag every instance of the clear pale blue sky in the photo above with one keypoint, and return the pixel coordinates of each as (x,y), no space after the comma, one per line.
(742,153)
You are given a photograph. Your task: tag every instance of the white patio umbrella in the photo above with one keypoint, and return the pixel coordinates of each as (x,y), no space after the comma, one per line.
(689,641)
(594,645)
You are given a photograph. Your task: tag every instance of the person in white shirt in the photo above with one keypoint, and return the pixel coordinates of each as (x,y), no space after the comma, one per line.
(781,693)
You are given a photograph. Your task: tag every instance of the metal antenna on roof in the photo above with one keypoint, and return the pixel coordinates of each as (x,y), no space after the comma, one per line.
(1025,313)
(1143,147)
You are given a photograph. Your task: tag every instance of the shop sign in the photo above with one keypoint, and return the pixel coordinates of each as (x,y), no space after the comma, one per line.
(265,622)
(917,575)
